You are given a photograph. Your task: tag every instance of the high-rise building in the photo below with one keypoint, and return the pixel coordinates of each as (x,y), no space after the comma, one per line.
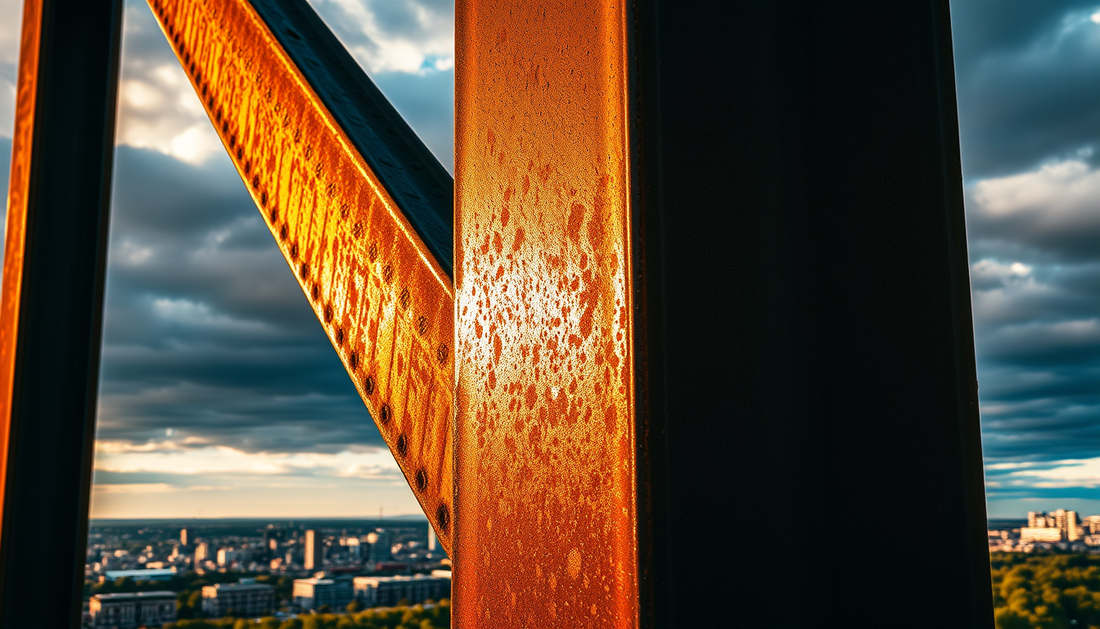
(184,536)
(431,538)
(314,555)
(1067,522)
(202,553)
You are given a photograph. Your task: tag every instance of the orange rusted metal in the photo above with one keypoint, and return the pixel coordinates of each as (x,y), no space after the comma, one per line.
(15,236)
(384,300)
(546,521)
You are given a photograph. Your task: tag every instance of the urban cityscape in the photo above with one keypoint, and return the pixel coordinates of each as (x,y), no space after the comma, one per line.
(1057,530)
(156,573)
(176,573)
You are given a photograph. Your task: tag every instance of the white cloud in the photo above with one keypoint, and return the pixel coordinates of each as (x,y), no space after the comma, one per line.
(392,36)
(11,14)
(996,270)
(1056,195)
(158,110)
(1056,474)
(131,254)
(171,457)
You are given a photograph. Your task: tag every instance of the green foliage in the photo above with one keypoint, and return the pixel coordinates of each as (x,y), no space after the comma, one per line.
(437,616)
(1046,591)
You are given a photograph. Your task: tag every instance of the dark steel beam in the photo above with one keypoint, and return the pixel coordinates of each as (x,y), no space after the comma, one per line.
(55,258)
(807,357)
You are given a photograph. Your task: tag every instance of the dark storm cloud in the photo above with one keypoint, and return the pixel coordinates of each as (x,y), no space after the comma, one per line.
(1051,214)
(1035,244)
(1029,109)
(206,331)
(1025,75)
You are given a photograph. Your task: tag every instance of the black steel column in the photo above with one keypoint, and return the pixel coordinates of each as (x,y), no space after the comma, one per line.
(808,364)
(53,404)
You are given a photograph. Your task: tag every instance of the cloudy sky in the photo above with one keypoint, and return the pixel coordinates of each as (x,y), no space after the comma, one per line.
(221,396)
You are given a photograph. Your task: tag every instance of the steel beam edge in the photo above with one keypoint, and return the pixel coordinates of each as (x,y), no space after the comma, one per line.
(422,188)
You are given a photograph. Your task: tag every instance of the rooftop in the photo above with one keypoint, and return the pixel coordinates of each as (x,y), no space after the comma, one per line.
(120,596)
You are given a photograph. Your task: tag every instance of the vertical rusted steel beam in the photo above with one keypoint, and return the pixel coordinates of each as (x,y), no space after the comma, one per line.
(547,519)
(54,264)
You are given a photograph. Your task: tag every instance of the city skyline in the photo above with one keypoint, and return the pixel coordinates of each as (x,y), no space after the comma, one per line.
(222,397)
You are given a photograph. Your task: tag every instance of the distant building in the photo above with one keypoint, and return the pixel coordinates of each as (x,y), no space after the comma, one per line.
(246,599)
(322,589)
(1065,522)
(127,611)
(388,591)
(227,556)
(154,574)
(314,552)
(272,538)
(352,546)
(184,537)
(202,553)
(1092,523)
(1040,534)
(379,541)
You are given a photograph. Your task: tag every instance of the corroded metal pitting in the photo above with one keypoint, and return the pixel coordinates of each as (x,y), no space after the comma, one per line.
(546,528)
(384,299)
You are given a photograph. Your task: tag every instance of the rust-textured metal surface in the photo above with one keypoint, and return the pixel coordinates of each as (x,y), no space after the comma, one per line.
(384,300)
(15,234)
(545,435)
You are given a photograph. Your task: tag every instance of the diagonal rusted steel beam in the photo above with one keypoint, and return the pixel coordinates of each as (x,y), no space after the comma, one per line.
(358,205)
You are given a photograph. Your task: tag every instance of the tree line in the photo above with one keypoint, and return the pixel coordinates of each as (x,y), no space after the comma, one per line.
(1046,591)
(427,616)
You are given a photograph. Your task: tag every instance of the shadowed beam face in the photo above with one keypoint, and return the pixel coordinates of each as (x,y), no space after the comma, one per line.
(51,318)
(545,430)
(358,206)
